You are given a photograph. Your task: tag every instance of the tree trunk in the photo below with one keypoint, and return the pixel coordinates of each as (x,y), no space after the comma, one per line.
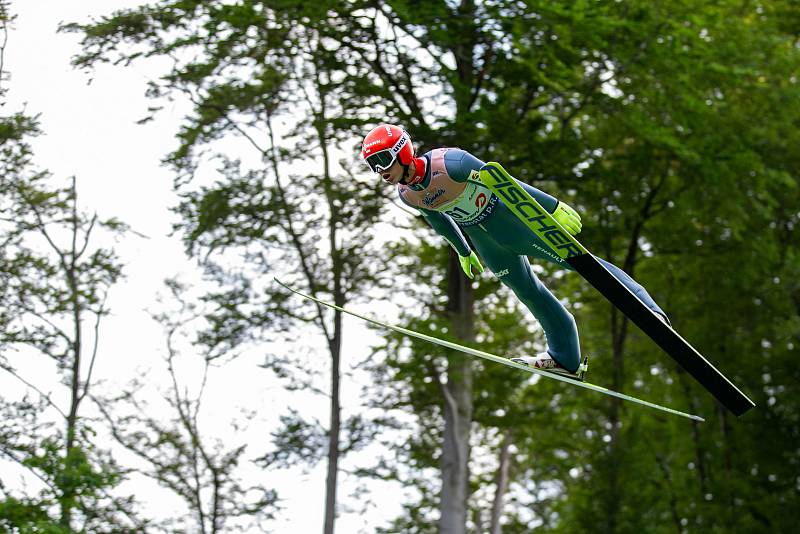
(501,482)
(699,453)
(619,333)
(455,450)
(457,408)
(336,352)
(673,500)
(336,416)
(67,491)
(333,444)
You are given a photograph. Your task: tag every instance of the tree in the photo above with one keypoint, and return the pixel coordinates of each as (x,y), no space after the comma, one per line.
(258,67)
(686,179)
(53,281)
(203,470)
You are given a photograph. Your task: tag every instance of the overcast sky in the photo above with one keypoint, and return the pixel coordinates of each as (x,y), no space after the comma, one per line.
(90,132)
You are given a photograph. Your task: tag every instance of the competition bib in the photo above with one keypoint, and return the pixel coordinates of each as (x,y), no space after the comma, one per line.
(472,206)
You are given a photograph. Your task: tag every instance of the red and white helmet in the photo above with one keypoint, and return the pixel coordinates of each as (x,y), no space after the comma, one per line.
(385,143)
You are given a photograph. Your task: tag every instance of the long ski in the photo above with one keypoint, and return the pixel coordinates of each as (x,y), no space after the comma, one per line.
(569,250)
(494,357)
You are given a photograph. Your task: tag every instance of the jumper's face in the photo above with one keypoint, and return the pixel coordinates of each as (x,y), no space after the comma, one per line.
(393,174)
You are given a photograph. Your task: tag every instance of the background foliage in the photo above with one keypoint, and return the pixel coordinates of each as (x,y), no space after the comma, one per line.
(671,126)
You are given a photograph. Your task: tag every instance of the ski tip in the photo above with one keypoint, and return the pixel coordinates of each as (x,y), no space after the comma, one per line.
(275,279)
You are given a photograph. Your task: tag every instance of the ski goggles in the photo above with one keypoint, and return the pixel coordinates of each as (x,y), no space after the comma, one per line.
(383,159)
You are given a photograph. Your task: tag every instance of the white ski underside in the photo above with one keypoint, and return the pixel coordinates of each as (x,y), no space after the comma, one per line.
(495,358)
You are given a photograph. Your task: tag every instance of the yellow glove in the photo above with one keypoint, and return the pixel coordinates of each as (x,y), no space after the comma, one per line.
(568,218)
(468,262)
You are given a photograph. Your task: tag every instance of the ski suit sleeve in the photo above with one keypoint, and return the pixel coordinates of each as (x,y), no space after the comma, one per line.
(446,228)
(548,202)
(460,165)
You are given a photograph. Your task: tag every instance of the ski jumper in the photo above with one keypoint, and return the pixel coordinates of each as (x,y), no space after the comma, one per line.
(453,200)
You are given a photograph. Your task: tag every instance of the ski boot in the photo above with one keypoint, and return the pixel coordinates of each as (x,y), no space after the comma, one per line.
(545,362)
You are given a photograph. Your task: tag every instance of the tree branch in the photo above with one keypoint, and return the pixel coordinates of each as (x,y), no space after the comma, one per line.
(45,396)
(98,316)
